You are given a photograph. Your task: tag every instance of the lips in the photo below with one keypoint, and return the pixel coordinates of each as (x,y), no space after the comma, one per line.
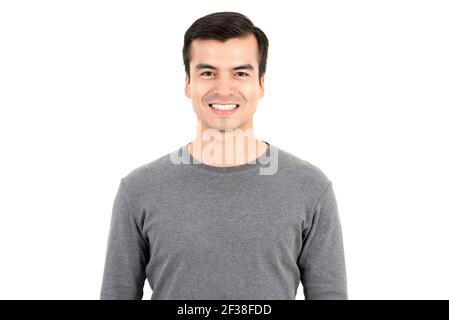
(224,112)
(210,104)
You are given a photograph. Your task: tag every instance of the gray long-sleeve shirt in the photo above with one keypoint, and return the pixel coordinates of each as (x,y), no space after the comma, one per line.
(197,231)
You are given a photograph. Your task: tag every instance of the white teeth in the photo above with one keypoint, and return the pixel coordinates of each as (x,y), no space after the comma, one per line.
(224,106)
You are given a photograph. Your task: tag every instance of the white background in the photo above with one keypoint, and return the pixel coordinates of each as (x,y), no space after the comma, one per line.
(92,89)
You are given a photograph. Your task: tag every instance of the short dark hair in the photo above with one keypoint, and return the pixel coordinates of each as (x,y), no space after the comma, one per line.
(222,26)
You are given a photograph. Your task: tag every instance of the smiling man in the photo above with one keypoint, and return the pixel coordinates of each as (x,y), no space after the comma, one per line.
(225,216)
(225,84)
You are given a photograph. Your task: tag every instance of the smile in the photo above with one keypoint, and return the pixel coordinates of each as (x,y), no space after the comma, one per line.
(223,109)
(217,106)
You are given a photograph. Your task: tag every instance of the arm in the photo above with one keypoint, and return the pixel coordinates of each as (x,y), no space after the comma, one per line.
(321,261)
(127,253)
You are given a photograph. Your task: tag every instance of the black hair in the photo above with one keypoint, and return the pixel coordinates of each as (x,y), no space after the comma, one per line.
(222,26)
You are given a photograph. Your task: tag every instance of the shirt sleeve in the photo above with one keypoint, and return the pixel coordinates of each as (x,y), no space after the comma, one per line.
(127,253)
(321,261)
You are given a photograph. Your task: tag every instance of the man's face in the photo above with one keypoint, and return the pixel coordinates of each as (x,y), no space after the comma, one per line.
(213,79)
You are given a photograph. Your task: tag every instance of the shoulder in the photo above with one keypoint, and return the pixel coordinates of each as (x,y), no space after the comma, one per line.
(148,177)
(308,176)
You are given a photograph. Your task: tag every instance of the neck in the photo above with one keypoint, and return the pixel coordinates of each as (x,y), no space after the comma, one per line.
(225,148)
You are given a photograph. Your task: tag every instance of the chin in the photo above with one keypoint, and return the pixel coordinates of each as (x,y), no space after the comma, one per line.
(227,127)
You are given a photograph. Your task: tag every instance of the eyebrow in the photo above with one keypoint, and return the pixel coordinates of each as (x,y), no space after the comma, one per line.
(208,66)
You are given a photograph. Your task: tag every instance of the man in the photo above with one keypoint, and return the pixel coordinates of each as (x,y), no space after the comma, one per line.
(226,216)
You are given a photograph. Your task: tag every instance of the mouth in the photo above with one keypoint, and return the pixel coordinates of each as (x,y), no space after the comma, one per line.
(223,109)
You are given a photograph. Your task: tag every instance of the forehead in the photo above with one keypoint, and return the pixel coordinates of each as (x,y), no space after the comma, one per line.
(233,51)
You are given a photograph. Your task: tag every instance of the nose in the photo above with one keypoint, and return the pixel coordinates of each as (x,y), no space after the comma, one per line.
(224,85)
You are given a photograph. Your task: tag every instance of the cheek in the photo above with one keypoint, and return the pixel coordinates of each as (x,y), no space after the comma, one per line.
(250,90)
(250,96)
(198,91)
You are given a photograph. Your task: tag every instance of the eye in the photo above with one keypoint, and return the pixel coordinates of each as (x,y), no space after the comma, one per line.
(240,73)
(205,72)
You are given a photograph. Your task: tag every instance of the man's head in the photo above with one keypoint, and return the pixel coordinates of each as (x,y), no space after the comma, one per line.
(225,58)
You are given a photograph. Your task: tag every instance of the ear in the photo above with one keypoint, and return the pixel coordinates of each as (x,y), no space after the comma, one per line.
(187,87)
(262,86)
